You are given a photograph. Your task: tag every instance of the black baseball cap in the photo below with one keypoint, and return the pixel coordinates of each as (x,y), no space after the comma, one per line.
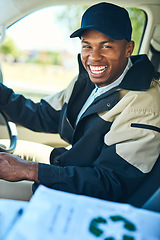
(108,19)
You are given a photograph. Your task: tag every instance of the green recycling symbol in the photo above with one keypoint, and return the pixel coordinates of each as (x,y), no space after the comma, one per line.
(96,231)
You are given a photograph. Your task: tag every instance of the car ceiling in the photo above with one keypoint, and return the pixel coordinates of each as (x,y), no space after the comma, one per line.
(15,9)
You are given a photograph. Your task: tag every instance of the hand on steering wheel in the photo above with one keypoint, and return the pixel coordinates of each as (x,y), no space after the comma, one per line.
(12,134)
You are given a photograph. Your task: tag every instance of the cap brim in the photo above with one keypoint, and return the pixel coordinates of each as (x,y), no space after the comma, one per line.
(111,33)
(78,32)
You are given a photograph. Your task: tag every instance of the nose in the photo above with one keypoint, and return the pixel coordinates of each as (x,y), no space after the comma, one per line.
(95,55)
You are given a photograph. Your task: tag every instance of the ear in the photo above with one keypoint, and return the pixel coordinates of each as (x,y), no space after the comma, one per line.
(129,48)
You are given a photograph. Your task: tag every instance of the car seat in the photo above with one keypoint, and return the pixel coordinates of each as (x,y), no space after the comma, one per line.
(147,195)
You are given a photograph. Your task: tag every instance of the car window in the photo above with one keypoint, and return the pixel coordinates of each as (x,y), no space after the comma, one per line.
(38,57)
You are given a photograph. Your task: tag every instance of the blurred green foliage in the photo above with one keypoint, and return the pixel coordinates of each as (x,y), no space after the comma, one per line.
(11,52)
(9,47)
(138,20)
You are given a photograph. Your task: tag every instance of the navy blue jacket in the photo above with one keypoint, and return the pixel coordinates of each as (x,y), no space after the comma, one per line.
(115,145)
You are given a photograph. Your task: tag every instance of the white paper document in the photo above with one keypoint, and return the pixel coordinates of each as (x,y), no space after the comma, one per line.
(10,213)
(59,215)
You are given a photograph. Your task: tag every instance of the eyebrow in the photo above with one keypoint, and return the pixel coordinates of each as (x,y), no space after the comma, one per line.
(103,42)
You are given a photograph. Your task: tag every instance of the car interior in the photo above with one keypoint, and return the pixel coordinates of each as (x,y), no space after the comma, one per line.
(33,146)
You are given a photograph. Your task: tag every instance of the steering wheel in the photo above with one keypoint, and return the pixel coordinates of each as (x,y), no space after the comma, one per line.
(12,130)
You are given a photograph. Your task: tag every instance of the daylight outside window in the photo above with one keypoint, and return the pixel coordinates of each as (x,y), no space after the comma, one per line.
(38,57)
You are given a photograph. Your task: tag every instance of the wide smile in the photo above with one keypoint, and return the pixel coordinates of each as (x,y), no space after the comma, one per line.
(97,70)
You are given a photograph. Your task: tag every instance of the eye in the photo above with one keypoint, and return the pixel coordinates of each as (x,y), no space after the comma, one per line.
(106,46)
(86,46)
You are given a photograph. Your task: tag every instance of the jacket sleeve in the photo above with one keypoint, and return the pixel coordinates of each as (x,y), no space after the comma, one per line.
(40,117)
(136,130)
(43,116)
(111,178)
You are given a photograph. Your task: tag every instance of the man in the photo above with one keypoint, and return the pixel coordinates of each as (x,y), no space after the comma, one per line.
(109,113)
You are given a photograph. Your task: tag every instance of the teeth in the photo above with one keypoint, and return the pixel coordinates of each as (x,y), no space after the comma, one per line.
(97,69)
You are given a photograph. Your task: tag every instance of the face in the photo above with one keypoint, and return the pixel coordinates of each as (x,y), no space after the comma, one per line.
(104,58)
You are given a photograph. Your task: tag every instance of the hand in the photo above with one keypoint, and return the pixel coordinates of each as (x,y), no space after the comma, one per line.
(13,168)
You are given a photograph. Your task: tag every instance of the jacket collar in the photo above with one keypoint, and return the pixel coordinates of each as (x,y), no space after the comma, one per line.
(140,75)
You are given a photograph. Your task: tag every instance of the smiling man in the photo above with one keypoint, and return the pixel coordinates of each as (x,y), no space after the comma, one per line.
(110,114)
(104,58)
